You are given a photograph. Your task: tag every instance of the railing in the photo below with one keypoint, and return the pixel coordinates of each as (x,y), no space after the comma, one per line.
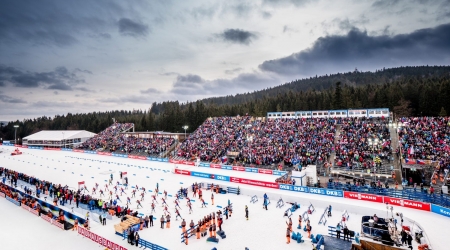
(143,243)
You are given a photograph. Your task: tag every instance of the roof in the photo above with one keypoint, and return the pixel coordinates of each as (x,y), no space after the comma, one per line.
(58,135)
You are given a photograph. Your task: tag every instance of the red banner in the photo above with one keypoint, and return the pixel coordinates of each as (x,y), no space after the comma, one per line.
(17,145)
(265,171)
(215,166)
(254,182)
(175,161)
(408,203)
(137,157)
(78,150)
(34,212)
(363,197)
(52,149)
(238,168)
(190,163)
(183,172)
(24,146)
(103,153)
(100,240)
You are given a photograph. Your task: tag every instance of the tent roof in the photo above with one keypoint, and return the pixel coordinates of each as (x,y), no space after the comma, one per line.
(58,135)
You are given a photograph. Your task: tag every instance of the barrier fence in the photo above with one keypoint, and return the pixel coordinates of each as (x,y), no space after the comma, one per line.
(99,239)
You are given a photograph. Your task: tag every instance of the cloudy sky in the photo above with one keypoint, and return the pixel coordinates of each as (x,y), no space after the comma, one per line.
(61,56)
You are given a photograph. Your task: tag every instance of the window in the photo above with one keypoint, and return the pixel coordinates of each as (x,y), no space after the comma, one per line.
(332,113)
(363,112)
(314,113)
(350,112)
(320,113)
(288,114)
(385,112)
(378,112)
(371,112)
(278,115)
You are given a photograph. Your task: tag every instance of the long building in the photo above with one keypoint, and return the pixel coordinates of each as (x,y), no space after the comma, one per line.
(57,138)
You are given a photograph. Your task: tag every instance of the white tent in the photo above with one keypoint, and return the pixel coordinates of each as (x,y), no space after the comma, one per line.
(57,138)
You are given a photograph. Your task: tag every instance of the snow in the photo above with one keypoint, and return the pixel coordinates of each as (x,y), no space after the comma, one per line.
(264,229)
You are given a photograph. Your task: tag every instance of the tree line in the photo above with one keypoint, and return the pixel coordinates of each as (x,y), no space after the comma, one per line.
(407,91)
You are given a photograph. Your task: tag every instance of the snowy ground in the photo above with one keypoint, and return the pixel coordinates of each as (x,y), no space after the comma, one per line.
(264,229)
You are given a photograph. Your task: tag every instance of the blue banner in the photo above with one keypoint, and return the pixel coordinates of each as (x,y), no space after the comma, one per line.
(160,159)
(201,175)
(253,170)
(222,177)
(203,164)
(276,172)
(328,192)
(165,159)
(440,210)
(13,201)
(294,188)
(227,167)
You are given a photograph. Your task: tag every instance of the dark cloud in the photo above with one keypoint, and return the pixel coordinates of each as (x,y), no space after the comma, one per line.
(385,3)
(358,49)
(296,3)
(56,92)
(266,14)
(54,22)
(150,91)
(8,99)
(192,84)
(169,74)
(58,79)
(105,35)
(128,27)
(238,36)
(232,71)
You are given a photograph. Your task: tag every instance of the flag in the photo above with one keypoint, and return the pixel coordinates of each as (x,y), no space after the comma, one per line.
(420,162)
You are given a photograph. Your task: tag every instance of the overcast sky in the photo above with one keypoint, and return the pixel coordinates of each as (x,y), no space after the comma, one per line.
(59,56)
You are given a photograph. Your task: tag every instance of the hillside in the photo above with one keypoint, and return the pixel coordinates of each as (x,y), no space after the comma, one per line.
(421,91)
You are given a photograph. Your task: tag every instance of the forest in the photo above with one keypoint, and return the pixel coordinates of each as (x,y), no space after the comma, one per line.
(407,91)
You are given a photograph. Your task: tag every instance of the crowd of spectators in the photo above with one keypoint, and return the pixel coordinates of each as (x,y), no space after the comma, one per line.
(105,138)
(260,141)
(112,140)
(363,142)
(426,138)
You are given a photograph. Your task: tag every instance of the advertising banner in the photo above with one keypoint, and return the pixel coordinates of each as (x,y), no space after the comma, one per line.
(276,172)
(364,197)
(440,210)
(252,170)
(407,203)
(227,167)
(13,201)
(190,163)
(100,240)
(254,182)
(78,150)
(238,168)
(201,175)
(104,153)
(294,188)
(174,161)
(215,166)
(264,171)
(327,192)
(203,164)
(221,177)
(183,172)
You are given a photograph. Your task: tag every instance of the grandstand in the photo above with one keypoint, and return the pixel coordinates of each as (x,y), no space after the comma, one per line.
(362,150)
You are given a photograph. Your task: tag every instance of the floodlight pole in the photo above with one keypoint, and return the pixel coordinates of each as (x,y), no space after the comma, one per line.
(15,133)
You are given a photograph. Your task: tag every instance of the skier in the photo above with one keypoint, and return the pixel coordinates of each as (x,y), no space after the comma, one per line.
(190,207)
(178,214)
(154,199)
(101,193)
(128,200)
(142,196)
(153,208)
(93,191)
(203,203)
(164,202)
(212,198)
(246,212)
(139,204)
(133,193)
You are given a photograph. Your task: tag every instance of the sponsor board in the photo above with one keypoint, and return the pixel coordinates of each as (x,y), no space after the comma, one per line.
(440,210)
(137,157)
(13,201)
(222,177)
(183,172)
(190,163)
(251,170)
(24,146)
(78,151)
(264,171)
(238,168)
(276,172)
(294,188)
(165,159)
(364,197)
(55,149)
(174,161)
(2,195)
(215,166)
(100,240)
(201,175)
(254,182)
(407,203)
(227,167)
(202,164)
(104,153)
(328,192)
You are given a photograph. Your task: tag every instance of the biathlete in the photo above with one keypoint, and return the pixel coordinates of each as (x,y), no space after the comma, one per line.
(133,193)
(203,203)
(178,214)
(139,204)
(190,207)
